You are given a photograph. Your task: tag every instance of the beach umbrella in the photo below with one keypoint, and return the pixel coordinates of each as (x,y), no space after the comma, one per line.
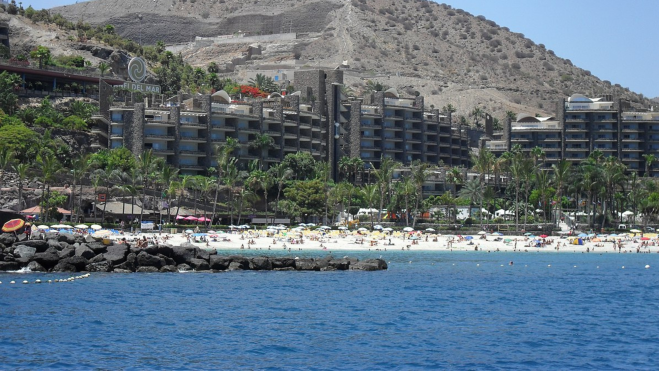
(212,232)
(387,229)
(469,238)
(635,230)
(543,236)
(408,229)
(613,235)
(582,235)
(324,227)
(528,234)
(188,231)
(199,234)
(58,226)
(377,226)
(497,234)
(507,240)
(190,218)
(362,229)
(13,225)
(414,238)
(591,235)
(645,238)
(343,228)
(95,227)
(597,239)
(43,227)
(82,226)
(482,232)
(180,217)
(429,230)
(204,219)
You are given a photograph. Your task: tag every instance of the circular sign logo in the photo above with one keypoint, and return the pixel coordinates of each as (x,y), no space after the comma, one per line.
(137,69)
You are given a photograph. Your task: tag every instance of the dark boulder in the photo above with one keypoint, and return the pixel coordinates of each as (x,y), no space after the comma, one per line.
(169,269)
(183,267)
(116,254)
(119,270)
(63,245)
(285,269)
(7,239)
(8,266)
(339,264)
(167,259)
(327,269)
(85,252)
(54,244)
(199,264)
(306,264)
(77,261)
(242,261)
(46,259)
(147,270)
(282,263)
(260,263)
(369,265)
(97,247)
(97,259)
(40,245)
(25,252)
(183,255)
(205,254)
(36,267)
(67,253)
(145,259)
(235,266)
(219,263)
(165,250)
(21,237)
(104,266)
(130,264)
(66,237)
(63,266)
(51,236)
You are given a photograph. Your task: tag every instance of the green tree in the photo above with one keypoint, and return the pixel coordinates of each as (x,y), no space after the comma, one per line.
(42,54)
(308,195)
(419,176)
(9,83)
(262,143)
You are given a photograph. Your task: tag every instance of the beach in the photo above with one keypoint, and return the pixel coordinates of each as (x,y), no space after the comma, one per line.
(334,241)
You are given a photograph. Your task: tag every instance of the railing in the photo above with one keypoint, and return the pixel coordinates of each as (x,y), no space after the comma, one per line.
(85,71)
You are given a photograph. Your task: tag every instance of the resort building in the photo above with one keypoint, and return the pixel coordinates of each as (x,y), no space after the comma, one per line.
(317,119)
(582,126)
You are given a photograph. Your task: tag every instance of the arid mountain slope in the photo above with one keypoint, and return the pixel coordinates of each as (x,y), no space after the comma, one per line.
(446,54)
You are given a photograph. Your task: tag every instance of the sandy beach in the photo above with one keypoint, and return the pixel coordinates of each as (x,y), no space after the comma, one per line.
(332,241)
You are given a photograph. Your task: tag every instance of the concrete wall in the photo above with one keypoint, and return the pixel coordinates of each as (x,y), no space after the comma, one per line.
(134,129)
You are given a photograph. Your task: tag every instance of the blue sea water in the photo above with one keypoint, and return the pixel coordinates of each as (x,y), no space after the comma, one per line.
(430,310)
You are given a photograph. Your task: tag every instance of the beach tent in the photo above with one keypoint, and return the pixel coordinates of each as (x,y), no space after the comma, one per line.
(577,241)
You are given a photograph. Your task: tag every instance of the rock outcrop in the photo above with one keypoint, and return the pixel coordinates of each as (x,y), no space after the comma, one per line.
(74,254)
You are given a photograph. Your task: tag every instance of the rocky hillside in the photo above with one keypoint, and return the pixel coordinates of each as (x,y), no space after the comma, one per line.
(446,54)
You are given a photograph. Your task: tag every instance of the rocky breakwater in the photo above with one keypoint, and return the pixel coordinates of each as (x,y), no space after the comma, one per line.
(68,253)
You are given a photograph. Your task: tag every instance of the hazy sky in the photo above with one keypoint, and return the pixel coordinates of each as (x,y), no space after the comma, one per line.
(610,38)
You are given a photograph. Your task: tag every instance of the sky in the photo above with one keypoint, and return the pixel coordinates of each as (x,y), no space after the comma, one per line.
(610,38)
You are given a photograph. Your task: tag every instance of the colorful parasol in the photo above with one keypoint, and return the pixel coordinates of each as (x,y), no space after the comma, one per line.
(13,225)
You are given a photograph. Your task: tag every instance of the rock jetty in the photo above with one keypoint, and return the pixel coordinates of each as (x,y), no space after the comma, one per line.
(69,253)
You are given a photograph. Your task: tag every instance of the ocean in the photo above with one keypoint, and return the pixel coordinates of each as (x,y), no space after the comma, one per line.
(430,310)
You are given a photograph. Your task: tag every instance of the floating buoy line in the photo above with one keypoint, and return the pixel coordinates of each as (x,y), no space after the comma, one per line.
(70,279)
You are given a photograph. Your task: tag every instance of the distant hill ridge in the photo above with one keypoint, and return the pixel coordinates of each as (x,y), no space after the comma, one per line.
(445,54)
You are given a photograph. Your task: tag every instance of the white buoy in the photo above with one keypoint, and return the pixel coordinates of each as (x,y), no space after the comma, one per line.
(646,267)
(478,265)
(548,265)
(25,282)
(502,265)
(50,281)
(37,281)
(12,282)
(0,282)
(623,267)
(598,267)
(575,266)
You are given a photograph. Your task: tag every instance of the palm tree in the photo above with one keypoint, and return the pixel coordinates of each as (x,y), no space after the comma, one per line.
(473,192)
(6,159)
(649,159)
(406,189)
(260,180)
(537,153)
(448,110)
(167,176)
(245,196)
(477,113)
(345,166)
(206,184)
(454,177)
(262,143)
(419,176)
(370,194)
(50,167)
(482,163)
(384,175)
(230,180)
(146,164)
(281,173)
(79,167)
(21,170)
(373,86)
(561,172)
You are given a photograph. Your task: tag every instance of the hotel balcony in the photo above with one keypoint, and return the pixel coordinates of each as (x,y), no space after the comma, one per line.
(193,139)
